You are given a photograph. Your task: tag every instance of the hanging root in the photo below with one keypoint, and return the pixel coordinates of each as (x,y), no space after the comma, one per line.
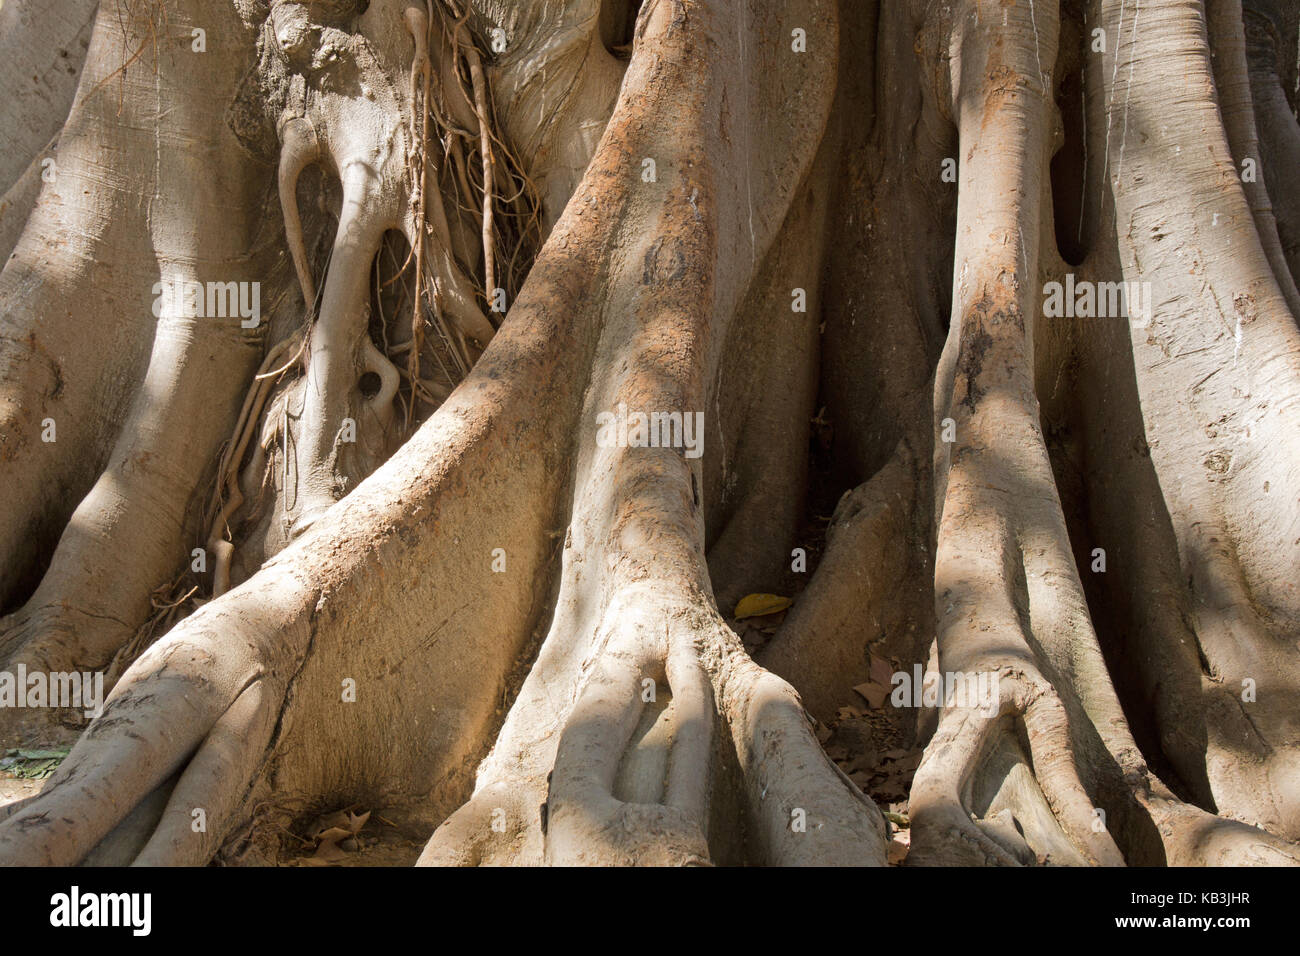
(417,22)
(506,191)
(228,496)
(299,149)
(451,296)
(486,155)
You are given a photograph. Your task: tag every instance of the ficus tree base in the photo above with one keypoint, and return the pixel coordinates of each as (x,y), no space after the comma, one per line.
(380,548)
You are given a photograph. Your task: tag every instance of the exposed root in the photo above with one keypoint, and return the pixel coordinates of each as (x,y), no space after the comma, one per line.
(1217,366)
(968,734)
(542,646)
(613,752)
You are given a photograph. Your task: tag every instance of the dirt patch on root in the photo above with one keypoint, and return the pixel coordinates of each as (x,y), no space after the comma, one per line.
(13,789)
(25,769)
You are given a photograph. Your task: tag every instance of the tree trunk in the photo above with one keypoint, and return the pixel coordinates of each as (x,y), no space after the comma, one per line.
(401,399)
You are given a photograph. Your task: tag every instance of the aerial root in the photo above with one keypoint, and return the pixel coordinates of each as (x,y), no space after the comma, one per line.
(299,149)
(417,22)
(229,497)
(442,294)
(489,171)
(440,285)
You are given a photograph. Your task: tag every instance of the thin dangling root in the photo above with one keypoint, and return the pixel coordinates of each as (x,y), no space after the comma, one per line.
(228,488)
(300,148)
(451,296)
(417,21)
(501,173)
(485,151)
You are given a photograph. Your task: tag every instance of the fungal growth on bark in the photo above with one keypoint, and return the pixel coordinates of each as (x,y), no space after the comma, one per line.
(664,432)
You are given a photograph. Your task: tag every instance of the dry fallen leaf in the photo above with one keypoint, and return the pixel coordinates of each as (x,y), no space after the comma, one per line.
(333,829)
(881,671)
(333,835)
(873,694)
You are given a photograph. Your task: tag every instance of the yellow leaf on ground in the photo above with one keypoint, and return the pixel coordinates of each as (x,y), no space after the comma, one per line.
(756,605)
